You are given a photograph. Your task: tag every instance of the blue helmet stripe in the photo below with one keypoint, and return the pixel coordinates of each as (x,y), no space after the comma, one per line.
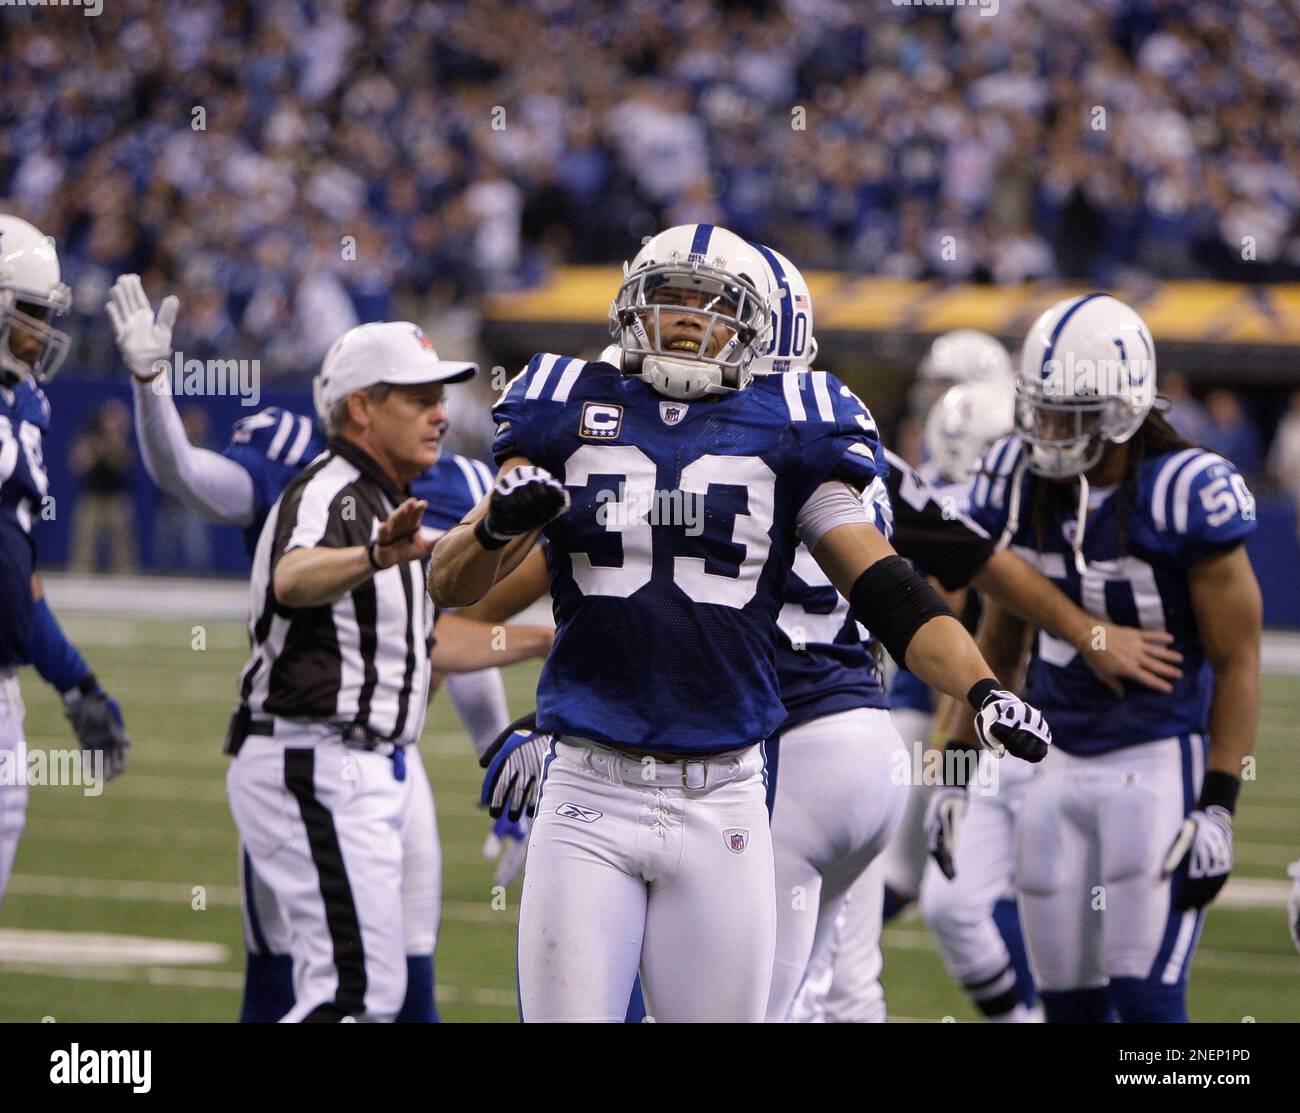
(700,244)
(1060,325)
(785,321)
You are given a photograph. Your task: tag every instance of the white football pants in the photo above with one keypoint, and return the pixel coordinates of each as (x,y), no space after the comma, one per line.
(323,823)
(266,931)
(839,798)
(1093,834)
(905,855)
(13,770)
(662,864)
(960,912)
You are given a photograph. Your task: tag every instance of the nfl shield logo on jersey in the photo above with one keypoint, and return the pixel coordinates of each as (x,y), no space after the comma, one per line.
(736,838)
(672,412)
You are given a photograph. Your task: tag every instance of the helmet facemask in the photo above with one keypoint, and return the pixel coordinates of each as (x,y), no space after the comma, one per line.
(1068,435)
(651,318)
(28,319)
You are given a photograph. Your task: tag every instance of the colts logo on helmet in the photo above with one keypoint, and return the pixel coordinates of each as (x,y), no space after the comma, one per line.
(735,839)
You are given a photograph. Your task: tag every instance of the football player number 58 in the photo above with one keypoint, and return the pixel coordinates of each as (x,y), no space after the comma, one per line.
(634,475)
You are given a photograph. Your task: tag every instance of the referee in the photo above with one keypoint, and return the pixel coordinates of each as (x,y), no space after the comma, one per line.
(337,682)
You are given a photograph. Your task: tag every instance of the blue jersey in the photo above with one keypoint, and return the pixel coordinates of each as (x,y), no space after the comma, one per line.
(670,566)
(822,654)
(274,445)
(24,420)
(1190,504)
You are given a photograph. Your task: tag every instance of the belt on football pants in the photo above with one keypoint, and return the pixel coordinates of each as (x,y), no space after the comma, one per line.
(355,736)
(625,767)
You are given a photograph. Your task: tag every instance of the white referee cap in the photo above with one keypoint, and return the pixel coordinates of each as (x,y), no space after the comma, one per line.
(395,352)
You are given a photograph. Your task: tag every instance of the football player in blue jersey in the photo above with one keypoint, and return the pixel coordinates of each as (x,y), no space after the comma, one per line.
(32,297)
(238,487)
(1126,835)
(837,768)
(673,489)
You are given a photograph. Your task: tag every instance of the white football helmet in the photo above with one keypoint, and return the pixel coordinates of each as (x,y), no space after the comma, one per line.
(965,355)
(693,312)
(32,296)
(1087,378)
(792,346)
(963,423)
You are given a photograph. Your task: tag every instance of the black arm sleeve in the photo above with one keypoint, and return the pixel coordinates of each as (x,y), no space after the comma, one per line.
(931,532)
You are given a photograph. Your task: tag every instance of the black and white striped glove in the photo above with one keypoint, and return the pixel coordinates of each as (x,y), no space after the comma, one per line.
(1004,722)
(944,812)
(514,769)
(525,498)
(1202,849)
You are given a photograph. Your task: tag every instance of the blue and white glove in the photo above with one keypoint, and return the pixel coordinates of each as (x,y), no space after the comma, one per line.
(1202,849)
(514,769)
(1004,722)
(944,812)
(507,842)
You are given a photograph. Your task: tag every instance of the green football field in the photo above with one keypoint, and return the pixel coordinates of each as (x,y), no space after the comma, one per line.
(125,906)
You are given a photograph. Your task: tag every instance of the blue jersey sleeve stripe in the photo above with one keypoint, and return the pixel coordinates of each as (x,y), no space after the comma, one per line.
(472,485)
(1161,493)
(1003,469)
(572,369)
(300,442)
(1183,489)
(539,377)
(822,396)
(700,241)
(281,436)
(484,474)
(793,400)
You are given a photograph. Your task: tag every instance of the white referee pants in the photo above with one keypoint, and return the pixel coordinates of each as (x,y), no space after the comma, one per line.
(322,823)
(624,870)
(838,801)
(960,912)
(13,773)
(266,931)
(1093,833)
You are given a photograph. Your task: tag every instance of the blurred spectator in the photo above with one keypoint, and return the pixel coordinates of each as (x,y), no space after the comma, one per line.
(1284,458)
(1230,433)
(1185,413)
(290,168)
(181,539)
(102,460)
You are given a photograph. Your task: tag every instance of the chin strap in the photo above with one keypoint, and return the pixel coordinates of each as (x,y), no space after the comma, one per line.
(1013,509)
(1081,523)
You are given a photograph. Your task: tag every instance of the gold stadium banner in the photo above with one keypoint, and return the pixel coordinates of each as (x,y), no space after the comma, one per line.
(1192,312)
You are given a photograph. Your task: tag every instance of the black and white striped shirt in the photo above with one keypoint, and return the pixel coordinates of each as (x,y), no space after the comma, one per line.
(363,659)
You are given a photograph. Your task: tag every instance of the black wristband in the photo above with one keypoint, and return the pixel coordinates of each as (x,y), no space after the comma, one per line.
(486,537)
(960,760)
(1219,789)
(979,692)
(373,557)
(87,685)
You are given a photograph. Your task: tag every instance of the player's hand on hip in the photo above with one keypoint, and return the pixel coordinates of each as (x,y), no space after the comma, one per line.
(507,842)
(514,769)
(97,722)
(524,499)
(1119,653)
(145,340)
(1202,849)
(1006,723)
(399,538)
(944,812)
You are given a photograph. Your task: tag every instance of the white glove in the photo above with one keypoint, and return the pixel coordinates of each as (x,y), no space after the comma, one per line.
(1204,842)
(1003,721)
(507,842)
(944,812)
(144,341)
